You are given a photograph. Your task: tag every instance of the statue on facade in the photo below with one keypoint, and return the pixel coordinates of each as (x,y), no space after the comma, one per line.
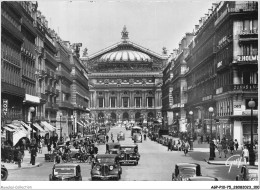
(164,51)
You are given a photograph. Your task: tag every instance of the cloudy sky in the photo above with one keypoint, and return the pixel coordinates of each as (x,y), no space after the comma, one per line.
(97,24)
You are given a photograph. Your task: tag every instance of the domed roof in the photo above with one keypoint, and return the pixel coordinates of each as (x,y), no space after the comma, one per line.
(124,56)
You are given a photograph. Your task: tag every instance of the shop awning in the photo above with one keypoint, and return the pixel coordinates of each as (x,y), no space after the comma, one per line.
(48,126)
(80,124)
(38,127)
(12,126)
(9,129)
(26,126)
(17,135)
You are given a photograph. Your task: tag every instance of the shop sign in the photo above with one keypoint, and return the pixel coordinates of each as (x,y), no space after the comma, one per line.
(255,112)
(237,107)
(5,106)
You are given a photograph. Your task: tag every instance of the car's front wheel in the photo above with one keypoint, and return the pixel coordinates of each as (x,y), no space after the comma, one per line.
(4,174)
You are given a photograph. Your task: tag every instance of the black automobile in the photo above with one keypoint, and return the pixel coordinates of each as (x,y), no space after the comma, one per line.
(129,154)
(183,171)
(66,172)
(202,178)
(106,167)
(113,148)
(4,173)
(248,173)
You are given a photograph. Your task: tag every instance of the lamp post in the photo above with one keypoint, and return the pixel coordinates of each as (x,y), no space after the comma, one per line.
(60,127)
(31,109)
(251,104)
(191,135)
(211,113)
(73,123)
(177,118)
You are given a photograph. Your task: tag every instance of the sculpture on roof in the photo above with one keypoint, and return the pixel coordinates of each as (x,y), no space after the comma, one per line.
(85,52)
(124,34)
(164,51)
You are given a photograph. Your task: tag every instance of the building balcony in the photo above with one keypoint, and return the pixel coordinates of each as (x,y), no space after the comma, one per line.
(44,97)
(11,29)
(65,88)
(48,89)
(39,118)
(51,59)
(48,105)
(65,74)
(56,92)
(55,106)
(65,104)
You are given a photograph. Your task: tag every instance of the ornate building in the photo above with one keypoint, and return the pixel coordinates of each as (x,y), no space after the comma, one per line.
(125,82)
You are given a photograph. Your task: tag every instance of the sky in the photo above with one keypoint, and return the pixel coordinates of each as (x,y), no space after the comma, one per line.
(97,24)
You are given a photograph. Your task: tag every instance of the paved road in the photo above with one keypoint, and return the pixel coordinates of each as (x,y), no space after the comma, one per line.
(156,164)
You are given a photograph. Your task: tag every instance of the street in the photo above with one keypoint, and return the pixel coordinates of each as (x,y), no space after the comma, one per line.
(156,164)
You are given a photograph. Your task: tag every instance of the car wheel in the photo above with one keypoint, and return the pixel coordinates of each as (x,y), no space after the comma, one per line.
(4,175)
(119,177)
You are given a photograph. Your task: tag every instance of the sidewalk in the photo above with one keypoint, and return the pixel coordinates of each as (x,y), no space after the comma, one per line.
(26,161)
(201,152)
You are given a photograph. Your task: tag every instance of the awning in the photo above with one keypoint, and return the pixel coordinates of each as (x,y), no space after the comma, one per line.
(9,129)
(38,126)
(80,124)
(18,135)
(48,126)
(25,125)
(12,126)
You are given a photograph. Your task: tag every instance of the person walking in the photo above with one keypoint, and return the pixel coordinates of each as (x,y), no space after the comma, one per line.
(111,136)
(224,146)
(40,147)
(208,139)
(19,158)
(212,147)
(169,145)
(33,154)
(186,147)
(236,144)
(231,146)
(107,138)
(245,154)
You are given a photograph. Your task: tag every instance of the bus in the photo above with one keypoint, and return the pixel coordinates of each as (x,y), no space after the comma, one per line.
(136,134)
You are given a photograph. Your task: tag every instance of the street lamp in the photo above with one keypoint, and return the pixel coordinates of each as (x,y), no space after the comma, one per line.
(211,113)
(251,104)
(191,136)
(60,127)
(31,109)
(177,120)
(73,123)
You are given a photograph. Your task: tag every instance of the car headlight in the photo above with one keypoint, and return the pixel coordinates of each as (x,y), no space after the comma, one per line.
(111,167)
(98,168)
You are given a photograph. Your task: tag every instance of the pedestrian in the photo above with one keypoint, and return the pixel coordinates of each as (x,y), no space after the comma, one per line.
(49,148)
(111,136)
(245,154)
(186,147)
(107,137)
(107,148)
(215,142)
(236,144)
(224,146)
(231,146)
(33,151)
(40,146)
(212,150)
(169,145)
(19,158)
(201,139)
(208,139)
(219,147)
(70,136)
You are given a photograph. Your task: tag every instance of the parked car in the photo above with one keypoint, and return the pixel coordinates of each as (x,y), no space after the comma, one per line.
(121,136)
(4,173)
(129,154)
(65,172)
(248,173)
(202,178)
(113,148)
(183,171)
(105,167)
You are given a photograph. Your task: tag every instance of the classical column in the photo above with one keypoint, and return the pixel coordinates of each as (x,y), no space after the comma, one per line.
(143,99)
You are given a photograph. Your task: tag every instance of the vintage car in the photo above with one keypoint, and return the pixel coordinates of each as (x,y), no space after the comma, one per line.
(185,170)
(129,154)
(65,172)
(248,173)
(174,142)
(202,178)
(4,173)
(120,136)
(105,167)
(113,148)
(128,127)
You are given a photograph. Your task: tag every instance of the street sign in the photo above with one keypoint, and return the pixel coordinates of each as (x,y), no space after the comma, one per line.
(5,106)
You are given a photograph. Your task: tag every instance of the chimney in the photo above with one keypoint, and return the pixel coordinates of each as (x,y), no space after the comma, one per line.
(214,6)
(197,28)
(210,11)
(200,22)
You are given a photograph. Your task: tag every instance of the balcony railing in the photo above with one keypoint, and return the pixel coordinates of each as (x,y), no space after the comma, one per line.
(48,105)
(48,89)
(64,104)
(55,106)
(43,96)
